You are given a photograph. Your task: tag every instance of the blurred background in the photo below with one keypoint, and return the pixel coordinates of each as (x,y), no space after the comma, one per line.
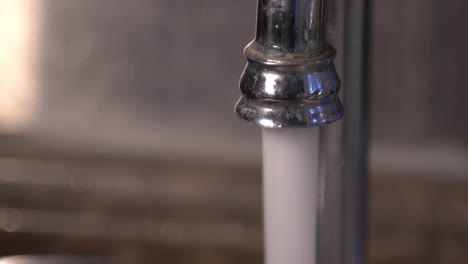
(118,137)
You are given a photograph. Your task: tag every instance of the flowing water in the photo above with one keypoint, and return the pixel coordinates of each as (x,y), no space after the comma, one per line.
(290,186)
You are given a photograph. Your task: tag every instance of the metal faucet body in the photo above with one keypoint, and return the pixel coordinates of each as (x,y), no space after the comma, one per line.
(290,78)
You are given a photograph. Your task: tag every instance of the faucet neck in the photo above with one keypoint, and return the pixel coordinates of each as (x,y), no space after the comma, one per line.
(290,25)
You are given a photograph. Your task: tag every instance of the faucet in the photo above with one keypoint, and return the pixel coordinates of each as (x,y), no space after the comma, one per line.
(290,81)
(290,78)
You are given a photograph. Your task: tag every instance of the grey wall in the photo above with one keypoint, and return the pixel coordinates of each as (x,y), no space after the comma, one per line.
(417,85)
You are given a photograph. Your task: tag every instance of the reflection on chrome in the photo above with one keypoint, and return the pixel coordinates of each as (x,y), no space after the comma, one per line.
(270,83)
(267,123)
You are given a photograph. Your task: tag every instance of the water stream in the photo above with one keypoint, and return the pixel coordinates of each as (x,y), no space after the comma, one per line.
(290,186)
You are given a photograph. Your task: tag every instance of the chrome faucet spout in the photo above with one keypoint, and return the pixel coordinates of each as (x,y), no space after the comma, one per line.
(290,78)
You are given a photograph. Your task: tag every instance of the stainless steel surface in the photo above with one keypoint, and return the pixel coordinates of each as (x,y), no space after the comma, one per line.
(290,79)
(355,131)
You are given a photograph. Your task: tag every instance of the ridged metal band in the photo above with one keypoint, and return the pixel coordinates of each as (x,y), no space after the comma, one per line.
(290,79)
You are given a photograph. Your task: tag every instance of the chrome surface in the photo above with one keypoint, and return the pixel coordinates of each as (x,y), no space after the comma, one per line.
(290,79)
(355,131)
